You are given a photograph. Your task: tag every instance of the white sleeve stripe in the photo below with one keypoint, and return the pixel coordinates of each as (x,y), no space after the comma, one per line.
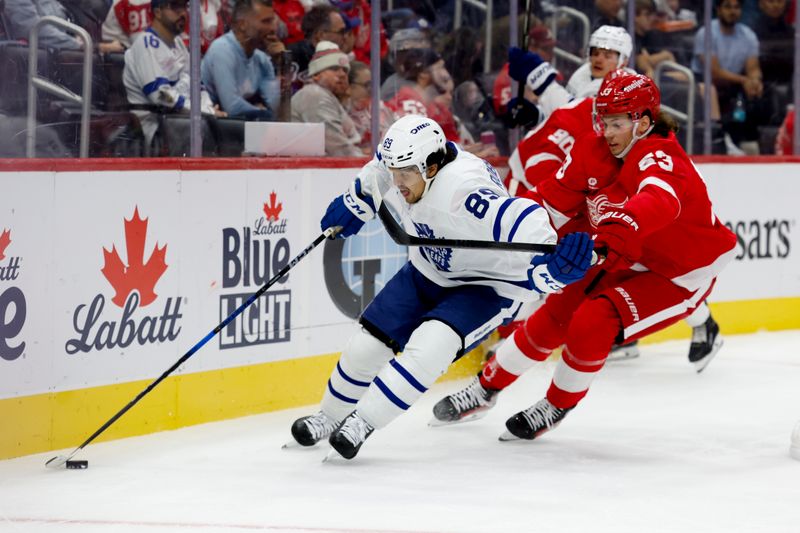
(539,158)
(658,182)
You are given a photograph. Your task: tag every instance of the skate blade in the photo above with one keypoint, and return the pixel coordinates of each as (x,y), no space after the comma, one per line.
(331,456)
(700,365)
(435,422)
(507,436)
(623,355)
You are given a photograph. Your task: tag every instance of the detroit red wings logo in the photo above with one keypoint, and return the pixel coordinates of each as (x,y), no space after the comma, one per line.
(596,206)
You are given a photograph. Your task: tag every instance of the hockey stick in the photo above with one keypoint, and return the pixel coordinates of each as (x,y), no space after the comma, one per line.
(60,460)
(398,235)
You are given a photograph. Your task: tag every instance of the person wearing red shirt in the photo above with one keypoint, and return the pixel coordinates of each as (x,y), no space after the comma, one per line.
(664,248)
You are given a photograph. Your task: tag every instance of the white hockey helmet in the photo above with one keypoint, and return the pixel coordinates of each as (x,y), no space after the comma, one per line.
(612,38)
(410,141)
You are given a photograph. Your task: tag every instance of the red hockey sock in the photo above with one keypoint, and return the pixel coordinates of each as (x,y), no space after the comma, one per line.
(590,336)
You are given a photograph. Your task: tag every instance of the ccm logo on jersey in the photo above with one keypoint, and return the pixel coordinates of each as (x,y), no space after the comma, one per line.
(420,127)
(619,216)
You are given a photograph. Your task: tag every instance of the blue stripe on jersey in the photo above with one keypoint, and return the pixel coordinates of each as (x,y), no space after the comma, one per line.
(366,197)
(499,218)
(339,395)
(406,374)
(481,279)
(349,379)
(389,394)
(155,84)
(524,214)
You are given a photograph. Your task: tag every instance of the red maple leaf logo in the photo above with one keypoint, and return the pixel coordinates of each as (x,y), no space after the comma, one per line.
(5,240)
(137,275)
(273,209)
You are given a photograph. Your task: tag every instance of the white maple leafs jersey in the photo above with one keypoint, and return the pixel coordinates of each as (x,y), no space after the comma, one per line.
(467,200)
(158,74)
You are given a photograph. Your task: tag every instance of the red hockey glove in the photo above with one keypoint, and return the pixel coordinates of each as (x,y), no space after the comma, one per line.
(618,232)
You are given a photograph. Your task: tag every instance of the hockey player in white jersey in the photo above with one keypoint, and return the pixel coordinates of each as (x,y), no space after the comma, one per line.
(156,69)
(609,48)
(444,301)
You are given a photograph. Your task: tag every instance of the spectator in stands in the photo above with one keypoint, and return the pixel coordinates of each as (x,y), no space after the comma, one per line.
(649,42)
(607,13)
(22,15)
(156,70)
(237,73)
(359,105)
(320,101)
(321,23)
(402,42)
(291,12)
(736,73)
(430,93)
(776,40)
(674,12)
(128,18)
(362,33)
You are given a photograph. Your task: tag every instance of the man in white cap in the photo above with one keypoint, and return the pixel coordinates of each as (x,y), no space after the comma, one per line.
(320,101)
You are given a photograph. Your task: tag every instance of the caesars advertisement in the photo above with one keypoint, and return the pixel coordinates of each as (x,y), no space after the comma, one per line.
(110,276)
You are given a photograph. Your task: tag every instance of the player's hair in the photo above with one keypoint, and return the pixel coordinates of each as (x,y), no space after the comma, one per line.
(441,157)
(664,124)
(243,8)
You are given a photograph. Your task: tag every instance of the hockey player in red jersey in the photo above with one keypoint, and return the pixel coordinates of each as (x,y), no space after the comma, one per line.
(665,247)
(544,149)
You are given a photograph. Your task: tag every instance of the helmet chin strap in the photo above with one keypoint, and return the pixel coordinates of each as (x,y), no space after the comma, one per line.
(635,138)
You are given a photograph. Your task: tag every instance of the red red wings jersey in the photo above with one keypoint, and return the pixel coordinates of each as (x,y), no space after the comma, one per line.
(133,15)
(542,151)
(410,101)
(661,189)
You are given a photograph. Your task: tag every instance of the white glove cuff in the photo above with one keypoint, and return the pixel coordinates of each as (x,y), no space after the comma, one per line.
(541,77)
(543,281)
(358,203)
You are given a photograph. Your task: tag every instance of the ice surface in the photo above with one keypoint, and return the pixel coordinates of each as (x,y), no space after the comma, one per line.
(654,447)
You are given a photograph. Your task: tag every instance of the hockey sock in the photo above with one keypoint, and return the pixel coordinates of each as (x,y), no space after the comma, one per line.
(699,315)
(590,336)
(428,353)
(361,360)
(520,352)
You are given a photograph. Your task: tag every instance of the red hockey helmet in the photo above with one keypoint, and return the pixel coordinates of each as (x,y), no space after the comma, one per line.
(623,92)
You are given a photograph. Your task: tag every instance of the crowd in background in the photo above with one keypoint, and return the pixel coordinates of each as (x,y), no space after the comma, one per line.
(309,61)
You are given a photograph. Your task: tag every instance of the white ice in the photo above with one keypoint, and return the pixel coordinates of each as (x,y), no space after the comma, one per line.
(655,447)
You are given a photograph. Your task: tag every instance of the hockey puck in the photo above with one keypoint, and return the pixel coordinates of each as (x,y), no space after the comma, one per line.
(78,465)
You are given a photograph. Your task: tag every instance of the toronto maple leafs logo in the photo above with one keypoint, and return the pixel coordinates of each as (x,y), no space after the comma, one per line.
(138,275)
(440,257)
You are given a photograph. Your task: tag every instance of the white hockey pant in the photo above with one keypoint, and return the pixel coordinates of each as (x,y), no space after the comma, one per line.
(428,353)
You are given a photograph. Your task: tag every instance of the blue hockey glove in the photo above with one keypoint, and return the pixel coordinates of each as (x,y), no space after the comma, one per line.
(350,211)
(527,67)
(567,264)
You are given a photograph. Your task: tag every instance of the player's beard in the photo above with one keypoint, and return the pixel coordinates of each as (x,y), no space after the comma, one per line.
(178,25)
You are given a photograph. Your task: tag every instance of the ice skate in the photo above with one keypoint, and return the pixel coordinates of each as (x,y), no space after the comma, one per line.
(706,342)
(309,430)
(620,352)
(533,421)
(468,404)
(349,436)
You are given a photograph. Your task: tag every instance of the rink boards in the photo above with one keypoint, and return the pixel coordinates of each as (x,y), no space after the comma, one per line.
(110,271)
